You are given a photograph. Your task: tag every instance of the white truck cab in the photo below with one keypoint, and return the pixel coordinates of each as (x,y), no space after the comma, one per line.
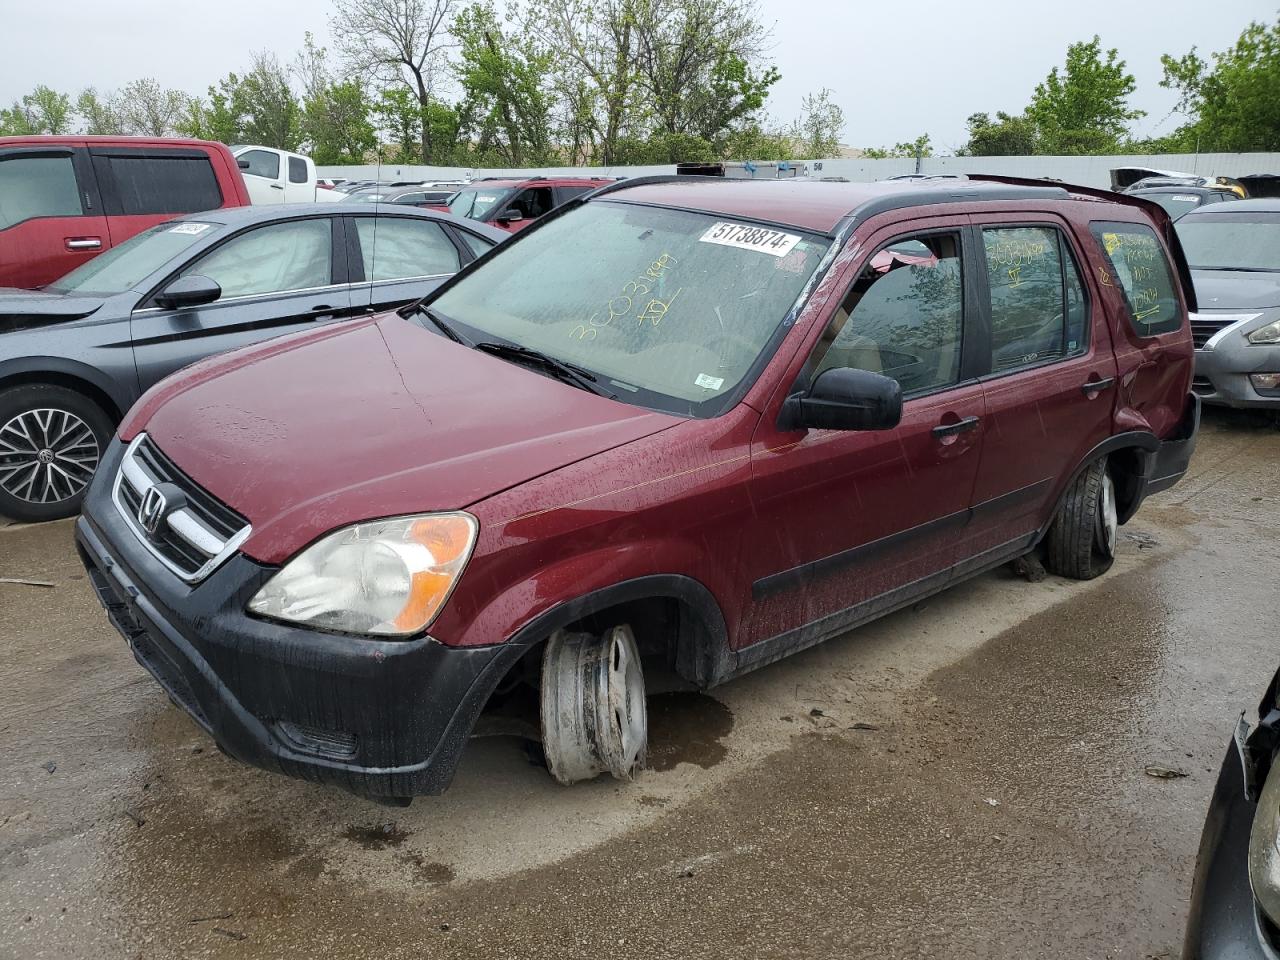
(278,176)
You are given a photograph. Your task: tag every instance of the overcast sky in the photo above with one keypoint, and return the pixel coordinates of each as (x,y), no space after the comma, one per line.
(897,69)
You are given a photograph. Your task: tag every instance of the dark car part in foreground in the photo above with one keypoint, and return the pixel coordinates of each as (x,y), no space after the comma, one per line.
(1235,897)
(1234,253)
(702,423)
(76,355)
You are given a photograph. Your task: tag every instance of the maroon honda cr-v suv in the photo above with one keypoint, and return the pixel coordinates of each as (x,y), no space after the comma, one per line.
(698,424)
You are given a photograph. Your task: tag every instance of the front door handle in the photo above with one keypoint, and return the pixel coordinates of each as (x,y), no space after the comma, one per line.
(322,311)
(276,186)
(944,430)
(1091,388)
(84,243)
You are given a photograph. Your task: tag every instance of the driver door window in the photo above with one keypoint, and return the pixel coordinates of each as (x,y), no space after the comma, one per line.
(533,202)
(904,316)
(296,255)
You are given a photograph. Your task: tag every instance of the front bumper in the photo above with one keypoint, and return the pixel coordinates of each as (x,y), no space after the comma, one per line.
(1222,373)
(378,718)
(1224,921)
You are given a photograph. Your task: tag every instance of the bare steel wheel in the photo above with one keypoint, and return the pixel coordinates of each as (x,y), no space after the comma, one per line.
(593,711)
(51,441)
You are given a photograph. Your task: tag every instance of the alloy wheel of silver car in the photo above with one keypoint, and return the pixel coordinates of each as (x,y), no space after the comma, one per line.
(47,455)
(1108,517)
(594,717)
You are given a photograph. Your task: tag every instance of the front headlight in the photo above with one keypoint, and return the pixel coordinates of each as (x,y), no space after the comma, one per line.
(381,578)
(1264,847)
(1266,334)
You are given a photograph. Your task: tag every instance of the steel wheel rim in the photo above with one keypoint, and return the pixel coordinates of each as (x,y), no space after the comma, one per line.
(1108,518)
(47,456)
(624,700)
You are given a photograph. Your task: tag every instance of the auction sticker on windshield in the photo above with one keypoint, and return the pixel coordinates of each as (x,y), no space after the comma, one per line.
(744,237)
(191,229)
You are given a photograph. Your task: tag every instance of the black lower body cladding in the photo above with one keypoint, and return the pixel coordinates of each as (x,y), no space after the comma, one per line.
(378,718)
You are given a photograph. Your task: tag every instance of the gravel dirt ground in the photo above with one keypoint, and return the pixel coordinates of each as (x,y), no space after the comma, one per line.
(965,779)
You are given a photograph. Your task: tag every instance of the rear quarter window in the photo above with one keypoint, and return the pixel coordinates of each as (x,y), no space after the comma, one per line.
(160,184)
(1139,267)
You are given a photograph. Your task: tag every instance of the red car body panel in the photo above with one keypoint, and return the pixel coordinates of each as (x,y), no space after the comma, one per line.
(422,422)
(40,250)
(756,539)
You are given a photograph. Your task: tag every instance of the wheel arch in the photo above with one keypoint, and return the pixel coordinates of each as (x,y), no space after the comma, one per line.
(71,374)
(1129,458)
(699,647)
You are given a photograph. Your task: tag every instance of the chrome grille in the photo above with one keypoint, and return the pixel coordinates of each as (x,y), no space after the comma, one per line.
(191,539)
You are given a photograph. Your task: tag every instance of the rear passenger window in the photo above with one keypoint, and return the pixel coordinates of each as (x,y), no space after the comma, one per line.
(1140,269)
(397,248)
(39,186)
(297,170)
(159,184)
(903,317)
(479,245)
(1038,308)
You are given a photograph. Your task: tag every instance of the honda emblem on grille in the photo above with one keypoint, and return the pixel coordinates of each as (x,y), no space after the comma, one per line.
(152,510)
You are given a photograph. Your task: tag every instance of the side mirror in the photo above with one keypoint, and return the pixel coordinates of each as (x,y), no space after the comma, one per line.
(242,164)
(510,215)
(189,291)
(843,398)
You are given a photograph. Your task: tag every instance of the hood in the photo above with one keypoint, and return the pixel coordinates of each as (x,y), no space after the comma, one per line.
(1236,289)
(21,309)
(366,420)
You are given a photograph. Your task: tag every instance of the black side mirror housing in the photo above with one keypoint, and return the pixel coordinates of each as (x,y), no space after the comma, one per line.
(189,291)
(510,215)
(843,398)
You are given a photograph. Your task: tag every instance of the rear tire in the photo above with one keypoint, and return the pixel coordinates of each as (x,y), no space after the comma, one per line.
(1082,541)
(51,442)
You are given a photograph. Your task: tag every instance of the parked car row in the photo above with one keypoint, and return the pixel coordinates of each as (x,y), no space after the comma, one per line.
(689,425)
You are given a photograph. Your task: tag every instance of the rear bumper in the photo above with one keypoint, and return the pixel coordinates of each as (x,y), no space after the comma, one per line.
(1169,463)
(378,718)
(1222,374)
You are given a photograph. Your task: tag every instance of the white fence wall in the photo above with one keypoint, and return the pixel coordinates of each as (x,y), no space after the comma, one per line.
(1087,171)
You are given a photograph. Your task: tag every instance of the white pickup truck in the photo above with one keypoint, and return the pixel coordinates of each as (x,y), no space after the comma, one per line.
(278,176)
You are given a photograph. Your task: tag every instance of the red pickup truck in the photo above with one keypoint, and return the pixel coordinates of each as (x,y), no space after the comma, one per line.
(64,200)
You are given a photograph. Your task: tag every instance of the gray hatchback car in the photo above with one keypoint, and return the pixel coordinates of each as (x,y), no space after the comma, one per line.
(1234,253)
(75,355)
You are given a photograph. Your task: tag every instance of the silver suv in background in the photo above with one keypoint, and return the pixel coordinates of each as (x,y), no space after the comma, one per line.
(1234,253)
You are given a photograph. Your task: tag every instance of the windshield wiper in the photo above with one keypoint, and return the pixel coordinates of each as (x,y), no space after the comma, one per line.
(567,372)
(443,325)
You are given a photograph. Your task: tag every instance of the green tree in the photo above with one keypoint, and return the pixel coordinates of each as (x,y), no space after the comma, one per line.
(336,124)
(753,142)
(214,119)
(144,108)
(506,94)
(1006,136)
(15,122)
(269,111)
(919,147)
(49,111)
(1084,107)
(401,43)
(99,113)
(1232,104)
(400,118)
(820,125)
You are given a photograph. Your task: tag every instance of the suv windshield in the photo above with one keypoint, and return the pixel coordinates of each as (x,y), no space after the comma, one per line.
(670,309)
(476,203)
(124,266)
(1231,241)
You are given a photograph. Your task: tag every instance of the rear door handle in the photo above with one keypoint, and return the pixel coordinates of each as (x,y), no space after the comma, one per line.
(960,426)
(1092,388)
(276,186)
(84,243)
(322,311)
